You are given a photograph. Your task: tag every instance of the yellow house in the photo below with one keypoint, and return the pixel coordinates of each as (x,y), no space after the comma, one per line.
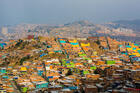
(73,41)
(94,53)
(23,69)
(51,52)
(83,44)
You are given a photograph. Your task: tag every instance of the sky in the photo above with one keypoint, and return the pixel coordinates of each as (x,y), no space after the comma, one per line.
(64,11)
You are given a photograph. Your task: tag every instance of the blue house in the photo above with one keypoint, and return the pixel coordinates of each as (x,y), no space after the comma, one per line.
(2,70)
(42,85)
(2,45)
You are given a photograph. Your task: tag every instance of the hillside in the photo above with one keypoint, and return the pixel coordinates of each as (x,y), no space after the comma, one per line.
(130,24)
(129,29)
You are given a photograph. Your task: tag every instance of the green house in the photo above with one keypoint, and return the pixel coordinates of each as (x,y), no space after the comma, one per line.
(82,55)
(24,89)
(110,62)
(93,68)
(85,72)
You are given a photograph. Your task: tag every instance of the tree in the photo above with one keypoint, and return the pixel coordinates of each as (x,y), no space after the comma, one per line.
(69,72)
(98,42)
(24,58)
(99,71)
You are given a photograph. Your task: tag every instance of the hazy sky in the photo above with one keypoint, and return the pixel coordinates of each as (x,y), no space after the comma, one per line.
(64,11)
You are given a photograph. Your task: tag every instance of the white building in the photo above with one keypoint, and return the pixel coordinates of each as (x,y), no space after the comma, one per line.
(4,30)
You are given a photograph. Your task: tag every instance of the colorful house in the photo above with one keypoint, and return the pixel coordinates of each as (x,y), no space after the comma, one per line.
(42,85)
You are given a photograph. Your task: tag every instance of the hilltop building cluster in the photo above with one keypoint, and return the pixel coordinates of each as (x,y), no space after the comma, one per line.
(69,65)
